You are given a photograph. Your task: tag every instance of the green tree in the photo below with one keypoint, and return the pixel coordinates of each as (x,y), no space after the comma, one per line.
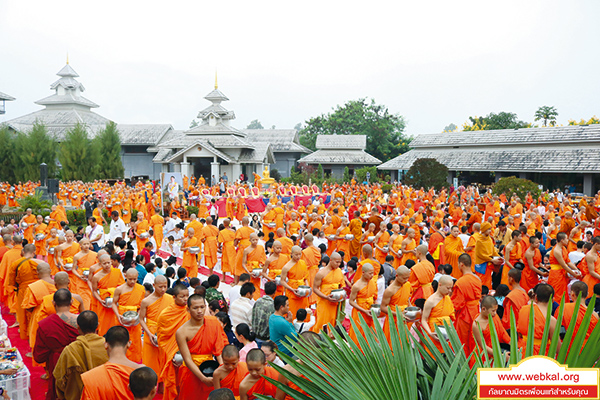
(384,130)
(347,178)
(427,173)
(591,121)
(7,150)
(298,126)
(513,185)
(502,120)
(108,143)
(78,156)
(320,173)
(255,124)
(547,114)
(361,174)
(31,149)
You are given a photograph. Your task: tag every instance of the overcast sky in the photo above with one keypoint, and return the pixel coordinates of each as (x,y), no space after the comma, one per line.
(282,62)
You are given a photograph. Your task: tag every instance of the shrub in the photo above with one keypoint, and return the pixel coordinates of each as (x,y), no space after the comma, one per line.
(386,188)
(361,174)
(192,210)
(513,185)
(37,205)
(427,173)
(274,173)
(76,218)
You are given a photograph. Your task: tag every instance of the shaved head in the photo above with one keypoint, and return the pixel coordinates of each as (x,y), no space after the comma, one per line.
(61,278)
(403,271)
(160,279)
(422,249)
(43,269)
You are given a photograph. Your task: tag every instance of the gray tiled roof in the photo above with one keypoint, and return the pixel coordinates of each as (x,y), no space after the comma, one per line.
(219,141)
(280,139)
(262,151)
(59,121)
(4,96)
(527,136)
(142,134)
(162,155)
(340,157)
(358,142)
(68,98)
(530,160)
(203,143)
(219,129)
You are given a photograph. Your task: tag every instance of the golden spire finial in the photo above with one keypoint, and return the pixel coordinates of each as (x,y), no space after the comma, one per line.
(216,84)
(67,57)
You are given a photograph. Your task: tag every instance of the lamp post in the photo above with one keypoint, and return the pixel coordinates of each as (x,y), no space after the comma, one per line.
(43,189)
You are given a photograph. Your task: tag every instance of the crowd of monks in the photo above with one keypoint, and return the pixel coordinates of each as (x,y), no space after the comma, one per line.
(458,256)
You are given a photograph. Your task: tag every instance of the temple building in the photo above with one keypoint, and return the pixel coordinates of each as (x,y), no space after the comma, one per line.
(336,152)
(3,99)
(213,147)
(554,157)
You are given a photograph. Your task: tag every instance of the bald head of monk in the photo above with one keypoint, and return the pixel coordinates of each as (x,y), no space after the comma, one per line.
(62,300)
(578,288)
(464,263)
(117,338)
(131,277)
(245,221)
(280,232)
(61,280)
(489,306)
(17,240)
(514,277)
(69,235)
(87,322)
(231,357)
(43,270)
(402,274)
(476,227)
(253,239)
(105,263)
(410,233)
(276,247)
(209,221)
(191,232)
(226,222)
(180,294)
(296,253)
(7,239)
(256,361)
(422,251)
(543,293)
(29,250)
(335,260)
(367,251)
(367,272)
(445,284)
(192,217)
(160,285)
(142,383)
(309,238)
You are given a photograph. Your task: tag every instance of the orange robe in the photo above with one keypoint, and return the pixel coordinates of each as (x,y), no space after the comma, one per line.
(465,297)
(529,278)
(190,261)
(516,255)
(383,241)
(343,244)
(589,279)
(28,233)
(243,237)
(312,256)
(263,386)
(359,268)
(9,297)
(286,245)
(365,299)
(40,245)
(51,260)
(399,299)
(207,343)
(484,252)
(275,270)
(21,279)
(558,277)
(234,378)
(421,276)
(209,234)
(77,285)
(443,311)
(226,237)
(150,353)
(327,311)
(514,301)
(169,320)
(34,296)
(131,301)
(453,248)
(355,229)
(106,288)
(109,381)
(396,245)
(157,222)
(538,328)
(296,277)
(256,259)
(503,336)
(141,227)
(568,313)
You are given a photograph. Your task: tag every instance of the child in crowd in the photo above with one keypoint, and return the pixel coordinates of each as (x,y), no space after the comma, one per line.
(300,322)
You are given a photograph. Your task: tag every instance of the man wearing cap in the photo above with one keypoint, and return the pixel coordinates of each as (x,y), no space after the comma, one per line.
(486,254)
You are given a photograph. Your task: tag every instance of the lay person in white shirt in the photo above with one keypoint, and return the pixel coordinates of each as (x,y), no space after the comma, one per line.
(117,227)
(95,234)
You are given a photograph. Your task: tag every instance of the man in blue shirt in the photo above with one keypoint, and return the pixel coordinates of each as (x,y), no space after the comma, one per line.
(281,328)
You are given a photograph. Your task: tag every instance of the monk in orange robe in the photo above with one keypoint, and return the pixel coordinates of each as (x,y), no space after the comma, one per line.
(453,248)
(367,258)
(34,296)
(142,227)
(104,283)
(560,265)
(226,239)
(512,255)
(274,264)
(268,219)
(486,255)
(327,279)
(27,222)
(110,381)
(395,244)
(533,262)
(421,275)
(232,372)
(342,243)
(82,262)
(190,260)
(396,297)
(362,297)
(255,383)
(381,239)
(438,309)
(11,255)
(209,238)
(591,262)
(356,230)
(157,222)
(169,321)
(543,295)
(489,306)
(465,298)
(22,273)
(254,258)
(51,241)
(199,340)
(294,274)
(128,297)
(578,288)
(516,299)
(242,240)
(312,257)
(150,309)
(40,228)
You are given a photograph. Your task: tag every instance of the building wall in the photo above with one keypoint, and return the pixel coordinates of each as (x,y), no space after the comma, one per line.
(140,164)
(284,161)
